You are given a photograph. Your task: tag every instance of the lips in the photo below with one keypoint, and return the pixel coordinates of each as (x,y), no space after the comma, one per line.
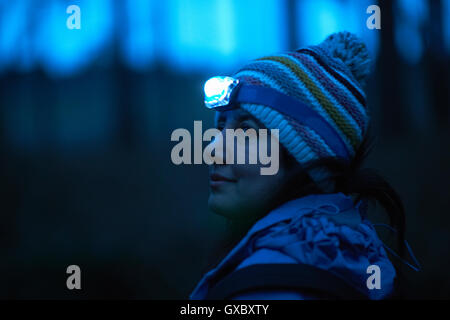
(219,177)
(217,180)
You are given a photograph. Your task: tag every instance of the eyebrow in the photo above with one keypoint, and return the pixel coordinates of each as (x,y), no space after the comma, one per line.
(248,116)
(245,116)
(241,117)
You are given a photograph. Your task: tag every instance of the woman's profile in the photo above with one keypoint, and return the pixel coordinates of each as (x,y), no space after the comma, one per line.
(302,233)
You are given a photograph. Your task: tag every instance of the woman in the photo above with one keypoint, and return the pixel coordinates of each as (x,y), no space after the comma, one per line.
(303,232)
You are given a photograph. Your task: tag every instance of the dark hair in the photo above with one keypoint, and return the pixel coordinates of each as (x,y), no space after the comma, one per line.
(352,179)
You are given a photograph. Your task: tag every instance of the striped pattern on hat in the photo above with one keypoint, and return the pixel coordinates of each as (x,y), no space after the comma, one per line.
(329,79)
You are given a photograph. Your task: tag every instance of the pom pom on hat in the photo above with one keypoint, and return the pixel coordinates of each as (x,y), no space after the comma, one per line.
(348,48)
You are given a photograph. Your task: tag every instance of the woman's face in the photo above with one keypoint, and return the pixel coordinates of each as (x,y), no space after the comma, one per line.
(239,191)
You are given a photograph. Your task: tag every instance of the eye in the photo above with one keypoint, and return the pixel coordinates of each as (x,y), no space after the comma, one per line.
(220,125)
(245,125)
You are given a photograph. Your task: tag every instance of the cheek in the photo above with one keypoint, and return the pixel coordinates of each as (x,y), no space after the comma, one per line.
(258,191)
(259,186)
(251,196)
(245,189)
(246,171)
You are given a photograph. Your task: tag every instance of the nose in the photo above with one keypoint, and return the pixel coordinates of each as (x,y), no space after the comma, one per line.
(214,151)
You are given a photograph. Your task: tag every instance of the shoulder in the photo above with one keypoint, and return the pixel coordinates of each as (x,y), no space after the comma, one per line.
(344,250)
(283,281)
(265,256)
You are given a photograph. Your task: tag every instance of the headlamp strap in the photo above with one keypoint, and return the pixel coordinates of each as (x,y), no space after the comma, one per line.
(295,109)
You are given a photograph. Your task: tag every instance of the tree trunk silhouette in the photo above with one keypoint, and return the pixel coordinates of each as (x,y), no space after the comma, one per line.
(392,108)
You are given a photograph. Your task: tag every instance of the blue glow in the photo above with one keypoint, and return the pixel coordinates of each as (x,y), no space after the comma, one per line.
(319,18)
(64,51)
(408,39)
(12,28)
(217,35)
(138,41)
(260,28)
(212,36)
(446,23)
(197,36)
(413,10)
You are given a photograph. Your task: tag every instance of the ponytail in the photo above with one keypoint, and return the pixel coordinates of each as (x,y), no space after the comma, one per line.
(352,179)
(368,184)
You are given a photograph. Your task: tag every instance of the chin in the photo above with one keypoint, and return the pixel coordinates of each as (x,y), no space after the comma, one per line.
(219,204)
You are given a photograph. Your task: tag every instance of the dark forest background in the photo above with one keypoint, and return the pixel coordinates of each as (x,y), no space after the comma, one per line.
(86,175)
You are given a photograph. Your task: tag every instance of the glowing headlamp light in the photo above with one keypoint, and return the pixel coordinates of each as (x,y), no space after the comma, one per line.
(218,91)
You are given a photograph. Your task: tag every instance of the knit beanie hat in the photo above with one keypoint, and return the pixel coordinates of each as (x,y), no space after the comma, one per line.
(328,78)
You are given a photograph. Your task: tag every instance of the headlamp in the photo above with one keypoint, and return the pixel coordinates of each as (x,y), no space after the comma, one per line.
(222,93)
(218,91)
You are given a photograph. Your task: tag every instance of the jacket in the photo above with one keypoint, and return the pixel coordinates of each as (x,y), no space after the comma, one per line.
(327,231)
